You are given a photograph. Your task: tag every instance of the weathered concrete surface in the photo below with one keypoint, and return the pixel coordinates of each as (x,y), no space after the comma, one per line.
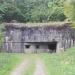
(17,36)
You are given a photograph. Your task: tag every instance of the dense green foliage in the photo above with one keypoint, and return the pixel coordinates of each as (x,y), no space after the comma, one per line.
(69,9)
(31,10)
(36,10)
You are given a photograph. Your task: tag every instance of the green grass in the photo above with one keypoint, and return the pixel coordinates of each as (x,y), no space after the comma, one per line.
(8,62)
(60,64)
(32,64)
(30,69)
(55,64)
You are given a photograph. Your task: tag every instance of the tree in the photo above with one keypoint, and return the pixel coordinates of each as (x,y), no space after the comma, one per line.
(69,9)
(56,10)
(31,10)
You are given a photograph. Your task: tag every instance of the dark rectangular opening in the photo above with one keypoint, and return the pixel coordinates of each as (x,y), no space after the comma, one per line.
(52,46)
(37,46)
(27,46)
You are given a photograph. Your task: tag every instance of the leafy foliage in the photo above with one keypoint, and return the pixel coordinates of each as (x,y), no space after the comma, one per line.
(69,9)
(31,10)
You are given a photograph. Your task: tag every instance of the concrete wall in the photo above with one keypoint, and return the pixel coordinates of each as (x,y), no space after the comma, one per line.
(16,38)
(13,41)
(33,48)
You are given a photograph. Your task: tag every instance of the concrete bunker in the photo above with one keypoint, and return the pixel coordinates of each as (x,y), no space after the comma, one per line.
(37,47)
(38,37)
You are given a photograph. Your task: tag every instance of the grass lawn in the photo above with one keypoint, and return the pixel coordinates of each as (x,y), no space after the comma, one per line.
(55,64)
(60,64)
(31,67)
(8,62)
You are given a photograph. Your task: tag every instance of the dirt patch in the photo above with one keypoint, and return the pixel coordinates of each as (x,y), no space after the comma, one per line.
(20,68)
(39,68)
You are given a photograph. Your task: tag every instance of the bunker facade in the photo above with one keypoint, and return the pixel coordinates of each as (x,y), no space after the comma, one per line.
(37,37)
